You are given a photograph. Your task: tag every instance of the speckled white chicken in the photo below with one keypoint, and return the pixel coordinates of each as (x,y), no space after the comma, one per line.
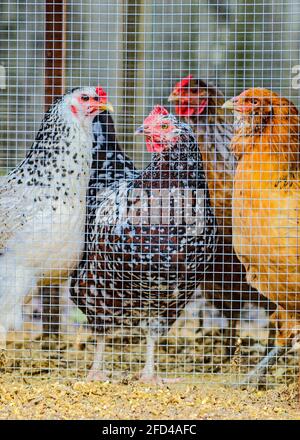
(43,203)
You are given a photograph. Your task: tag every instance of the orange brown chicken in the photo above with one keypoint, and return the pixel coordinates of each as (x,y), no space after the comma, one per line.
(200,105)
(266,207)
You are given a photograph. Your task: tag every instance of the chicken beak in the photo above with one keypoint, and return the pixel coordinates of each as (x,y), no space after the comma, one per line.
(139,131)
(106,106)
(228,104)
(173,97)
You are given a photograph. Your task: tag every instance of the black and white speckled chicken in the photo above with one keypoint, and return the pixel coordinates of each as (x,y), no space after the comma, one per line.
(151,241)
(43,203)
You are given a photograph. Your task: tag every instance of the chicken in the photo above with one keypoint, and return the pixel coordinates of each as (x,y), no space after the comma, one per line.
(266,203)
(108,164)
(42,203)
(200,105)
(150,241)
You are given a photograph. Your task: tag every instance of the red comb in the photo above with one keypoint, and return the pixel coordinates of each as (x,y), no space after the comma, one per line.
(100,92)
(184,82)
(159,110)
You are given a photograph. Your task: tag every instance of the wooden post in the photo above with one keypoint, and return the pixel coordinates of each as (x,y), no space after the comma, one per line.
(55,47)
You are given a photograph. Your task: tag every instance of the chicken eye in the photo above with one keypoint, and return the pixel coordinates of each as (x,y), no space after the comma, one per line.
(96,98)
(85,97)
(164,126)
(255,101)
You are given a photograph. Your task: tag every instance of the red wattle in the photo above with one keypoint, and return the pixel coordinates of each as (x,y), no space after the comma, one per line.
(153,147)
(182,110)
(185,110)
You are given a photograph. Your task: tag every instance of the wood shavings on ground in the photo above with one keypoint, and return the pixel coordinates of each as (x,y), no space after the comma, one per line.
(34,398)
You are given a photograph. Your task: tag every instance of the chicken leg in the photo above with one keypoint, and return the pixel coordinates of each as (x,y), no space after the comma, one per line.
(148,374)
(97,371)
(15,281)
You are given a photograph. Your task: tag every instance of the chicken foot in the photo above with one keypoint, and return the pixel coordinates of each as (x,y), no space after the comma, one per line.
(97,371)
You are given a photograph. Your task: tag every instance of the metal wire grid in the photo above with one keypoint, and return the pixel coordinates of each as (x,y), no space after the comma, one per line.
(137,51)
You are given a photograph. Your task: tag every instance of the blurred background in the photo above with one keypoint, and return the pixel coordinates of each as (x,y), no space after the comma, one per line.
(137,49)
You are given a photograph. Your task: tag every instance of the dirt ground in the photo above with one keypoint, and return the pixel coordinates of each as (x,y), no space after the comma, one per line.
(47,399)
(42,379)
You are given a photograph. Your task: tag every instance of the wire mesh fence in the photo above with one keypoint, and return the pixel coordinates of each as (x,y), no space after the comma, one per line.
(118,257)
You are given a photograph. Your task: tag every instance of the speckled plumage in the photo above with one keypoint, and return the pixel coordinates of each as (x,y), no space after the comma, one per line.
(139,270)
(42,206)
